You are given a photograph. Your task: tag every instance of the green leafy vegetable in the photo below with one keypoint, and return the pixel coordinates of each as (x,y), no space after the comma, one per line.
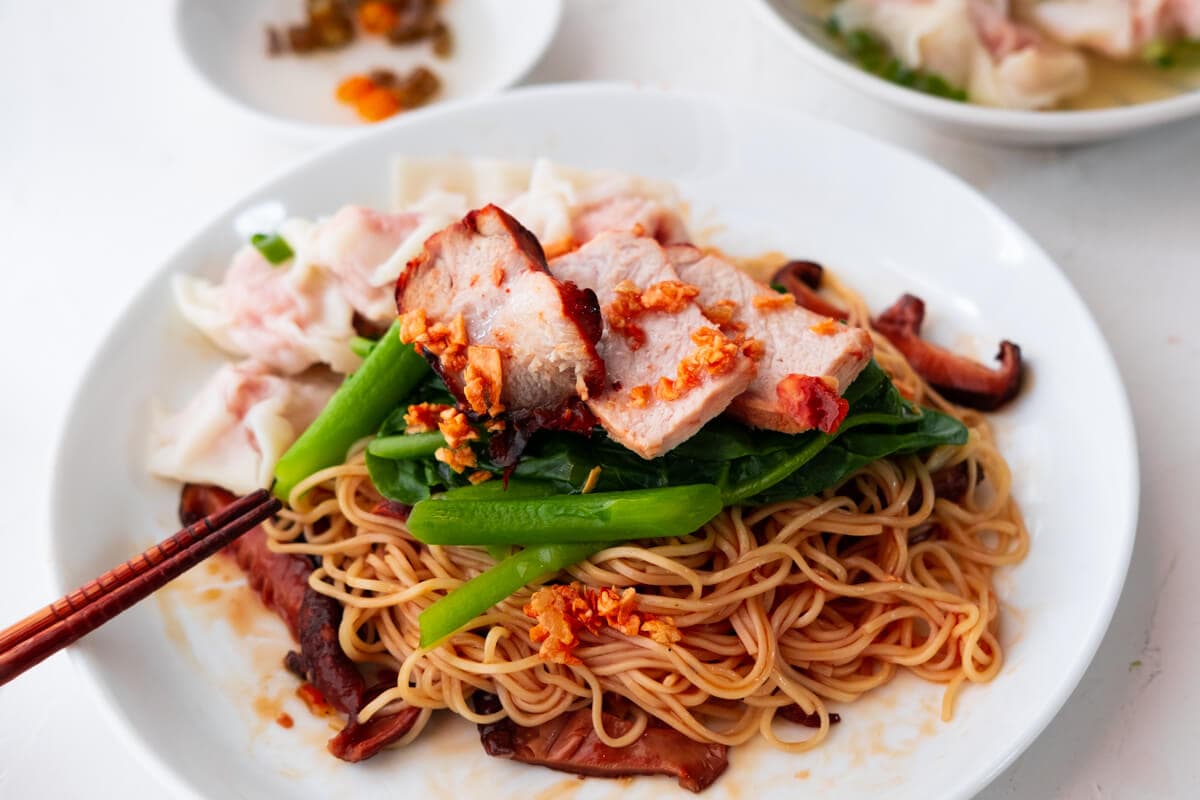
(531,565)
(873,55)
(356,410)
(857,448)
(274,248)
(600,517)
(1168,55)
(410,480)
(749,466)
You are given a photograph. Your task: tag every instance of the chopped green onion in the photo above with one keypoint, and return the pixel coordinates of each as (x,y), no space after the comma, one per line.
(873,55)
(274,248)
(532,565)
(362,346)
(779,287)
(407,446)
(600,517)
(356,410)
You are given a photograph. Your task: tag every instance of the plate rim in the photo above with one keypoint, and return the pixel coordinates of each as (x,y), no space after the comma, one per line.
(87,664)
(1103,122)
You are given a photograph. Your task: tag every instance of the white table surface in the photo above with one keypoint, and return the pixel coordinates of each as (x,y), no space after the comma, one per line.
(111,152)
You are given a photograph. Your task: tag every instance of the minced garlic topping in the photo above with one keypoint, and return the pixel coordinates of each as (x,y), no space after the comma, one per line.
(753,349)
(623,312)
(564,612)
(423,417)
(448,343)
(455,427)
(720,312)
(667,297)
(458,459)
(670,297)
(715,354)
(773,302)
(593,478)
(413,326)
(483,380)
(826,327)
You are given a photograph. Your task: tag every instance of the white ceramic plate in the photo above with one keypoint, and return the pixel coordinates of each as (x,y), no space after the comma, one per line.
(803,30)
(192,679)
(495,43)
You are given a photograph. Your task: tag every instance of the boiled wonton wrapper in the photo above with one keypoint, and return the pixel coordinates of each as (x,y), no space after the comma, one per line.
(234,431)
(547,198)
(366,250)
(298,314)
(289,316)
(1117,28)
(975,45)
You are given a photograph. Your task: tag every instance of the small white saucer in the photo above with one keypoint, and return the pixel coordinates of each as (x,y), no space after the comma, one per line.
(495,43)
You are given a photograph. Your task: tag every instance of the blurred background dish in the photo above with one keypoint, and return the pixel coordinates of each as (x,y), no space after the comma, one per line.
(1032,89)
(329,66)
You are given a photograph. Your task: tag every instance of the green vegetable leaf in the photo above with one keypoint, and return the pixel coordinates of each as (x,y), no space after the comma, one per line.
(873,55)
(274,248)
(403,481)
(749,466)
(1166,54)
(857,448)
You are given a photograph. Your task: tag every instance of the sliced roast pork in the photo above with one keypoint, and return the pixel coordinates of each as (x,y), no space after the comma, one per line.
(281,579)
(569,743)
(670,370)
(807,360)
(503,333)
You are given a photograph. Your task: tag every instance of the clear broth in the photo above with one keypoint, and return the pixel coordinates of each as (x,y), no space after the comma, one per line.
(1116,83)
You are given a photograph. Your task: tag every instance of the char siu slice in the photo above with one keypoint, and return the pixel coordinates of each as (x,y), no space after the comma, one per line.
(807,359)
(651,327)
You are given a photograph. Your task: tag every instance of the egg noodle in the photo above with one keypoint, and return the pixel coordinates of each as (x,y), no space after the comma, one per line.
(810,601)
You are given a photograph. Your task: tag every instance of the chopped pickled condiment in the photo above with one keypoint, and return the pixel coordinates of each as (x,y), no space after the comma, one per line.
(334,24)
(381,93)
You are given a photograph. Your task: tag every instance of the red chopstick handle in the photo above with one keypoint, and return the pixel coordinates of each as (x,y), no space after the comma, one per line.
(116,599)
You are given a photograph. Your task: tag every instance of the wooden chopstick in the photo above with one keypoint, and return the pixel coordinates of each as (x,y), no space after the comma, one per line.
(80,612)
